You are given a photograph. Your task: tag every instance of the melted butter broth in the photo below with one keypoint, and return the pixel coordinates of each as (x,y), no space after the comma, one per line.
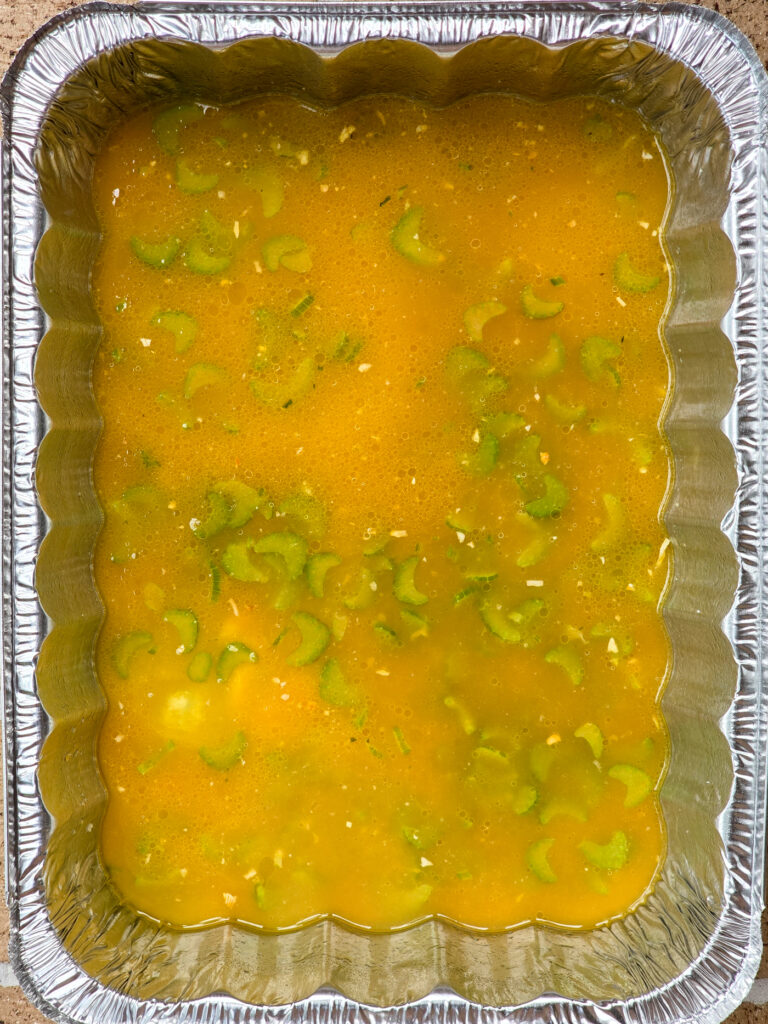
(382,479)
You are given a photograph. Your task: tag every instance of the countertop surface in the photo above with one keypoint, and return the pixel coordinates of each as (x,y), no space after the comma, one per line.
(18,19)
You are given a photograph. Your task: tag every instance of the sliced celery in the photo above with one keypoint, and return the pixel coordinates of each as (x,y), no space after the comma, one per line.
(592,735)
(609,857)
(315,637)
(169,123)
(202,375)
(637,782)
(335,688)
(317,568)
(226,755)
(192,182)
(631,280)
(404,585)
(598,357)
(477,316)
(200,666)
(536,308)
(552,361)
(185,622)
(289,546)
(537,859)
(288,251)
(569,660)
(234,655)
(127,646)
(405,240)
(181,325)
(155,254)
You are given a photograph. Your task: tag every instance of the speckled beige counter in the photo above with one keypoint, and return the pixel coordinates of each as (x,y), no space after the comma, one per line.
(18,19)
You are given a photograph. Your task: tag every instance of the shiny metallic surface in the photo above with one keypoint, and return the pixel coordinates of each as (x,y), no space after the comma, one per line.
(690,951)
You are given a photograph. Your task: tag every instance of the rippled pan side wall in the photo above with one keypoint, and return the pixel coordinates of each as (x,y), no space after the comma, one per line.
(704,890)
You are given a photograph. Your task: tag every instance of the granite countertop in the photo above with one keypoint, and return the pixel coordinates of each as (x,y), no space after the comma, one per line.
(18,19)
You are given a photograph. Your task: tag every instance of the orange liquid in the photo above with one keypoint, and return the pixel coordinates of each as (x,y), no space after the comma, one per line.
(457,713)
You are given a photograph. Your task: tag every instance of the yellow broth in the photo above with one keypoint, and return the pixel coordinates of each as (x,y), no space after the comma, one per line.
(382,478)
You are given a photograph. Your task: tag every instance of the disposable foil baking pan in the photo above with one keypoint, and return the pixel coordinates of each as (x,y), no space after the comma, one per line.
(690,951)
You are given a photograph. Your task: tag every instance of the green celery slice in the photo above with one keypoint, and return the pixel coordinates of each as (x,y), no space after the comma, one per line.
(267,182)
(185,621)
(233,655)
(317,568)
(502,424)
(282,395)
(465,593)
(631,280)
(288,251)
(202,375)
(151,762)
(387,635)
(405,240)
(217,518)
(477,316)
(227,755)
(344,347)
(315,637)
(563,412)
(127,646)
(192,182)
(553,501)
(364,595)
(465,717)
(462,520)
(237,563)
(154,597)
(598,356)
(614,530)
(552,361)
(289,546)
(541,759)
(592,735)
(536,308)
(404,585)
(302,305)
(481,460)
(525,799)
(181,325)
(463,360)
(609,857)
(200,260)
(538,546)
(334,686)
(200,667)
(497,621)
(169,123)
(400,740)
(309,512)
(418,625)
(537,860)
(243,501)
(155,254)
(569,660)
(561,808)
(637,781)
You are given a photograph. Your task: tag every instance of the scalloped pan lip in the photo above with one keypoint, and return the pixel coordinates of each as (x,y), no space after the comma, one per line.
(718,976)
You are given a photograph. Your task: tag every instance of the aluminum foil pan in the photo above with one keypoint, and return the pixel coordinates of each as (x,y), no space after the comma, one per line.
(690,951)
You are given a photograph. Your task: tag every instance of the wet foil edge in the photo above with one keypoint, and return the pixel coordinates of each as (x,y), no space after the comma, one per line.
(73,995)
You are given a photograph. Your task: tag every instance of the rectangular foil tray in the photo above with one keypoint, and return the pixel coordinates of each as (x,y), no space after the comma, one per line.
(690,951)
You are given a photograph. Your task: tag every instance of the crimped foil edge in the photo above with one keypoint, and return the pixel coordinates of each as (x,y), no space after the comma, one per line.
(746,529)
